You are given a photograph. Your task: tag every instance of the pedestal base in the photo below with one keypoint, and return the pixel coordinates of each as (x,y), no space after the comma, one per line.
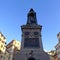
(31,55)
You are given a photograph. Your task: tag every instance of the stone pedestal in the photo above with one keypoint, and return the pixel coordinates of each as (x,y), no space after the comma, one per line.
(31,54)
(31,45)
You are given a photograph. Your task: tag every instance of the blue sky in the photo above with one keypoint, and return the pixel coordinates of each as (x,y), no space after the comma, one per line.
(13,14)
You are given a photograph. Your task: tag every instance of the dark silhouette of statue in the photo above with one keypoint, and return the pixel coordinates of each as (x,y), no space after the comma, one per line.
(31,17)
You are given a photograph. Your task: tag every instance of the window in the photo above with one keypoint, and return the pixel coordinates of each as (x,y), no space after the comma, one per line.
(0,39)
(1,46)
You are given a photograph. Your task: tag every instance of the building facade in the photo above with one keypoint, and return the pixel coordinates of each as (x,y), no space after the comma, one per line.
(58,46)
(7,51)
(2,43)
(7,55)
(12,48)
(31,44)
(2,46)
(53,55)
